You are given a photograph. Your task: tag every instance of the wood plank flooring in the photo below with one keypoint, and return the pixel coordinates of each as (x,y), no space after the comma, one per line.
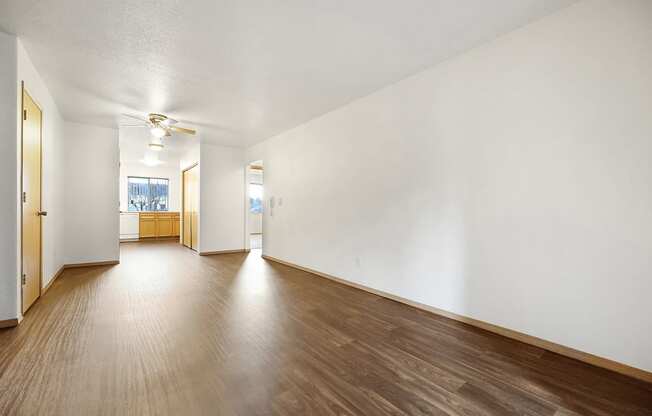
(170,332)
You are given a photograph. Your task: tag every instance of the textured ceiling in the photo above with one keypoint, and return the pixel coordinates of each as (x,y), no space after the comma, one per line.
(243,70)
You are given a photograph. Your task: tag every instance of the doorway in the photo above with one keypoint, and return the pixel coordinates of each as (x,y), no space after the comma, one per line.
(190,207)
(255,205)
(31,129)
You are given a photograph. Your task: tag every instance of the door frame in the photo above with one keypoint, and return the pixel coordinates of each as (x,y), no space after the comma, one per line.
(248,169)
(183,204)
(20,196)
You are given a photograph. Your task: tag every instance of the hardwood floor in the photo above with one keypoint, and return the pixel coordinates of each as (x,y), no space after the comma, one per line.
(170,332)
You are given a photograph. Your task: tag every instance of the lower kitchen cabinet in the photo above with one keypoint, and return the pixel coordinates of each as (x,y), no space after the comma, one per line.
(159,224)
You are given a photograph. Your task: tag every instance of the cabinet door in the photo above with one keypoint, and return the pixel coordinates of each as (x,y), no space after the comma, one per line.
(175,226)
(147,226)
(165,226)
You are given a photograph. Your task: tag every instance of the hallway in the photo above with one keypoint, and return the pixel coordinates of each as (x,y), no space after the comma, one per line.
(170,332)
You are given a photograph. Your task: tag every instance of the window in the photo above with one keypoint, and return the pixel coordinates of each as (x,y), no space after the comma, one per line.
(255,198)
(148,194)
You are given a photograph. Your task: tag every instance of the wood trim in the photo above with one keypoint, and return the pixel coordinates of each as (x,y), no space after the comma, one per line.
(20,191)
(509,333)
(212,253)
(56,276)
(190,167)
(143,239)
(9,323)
(152,212)
(40,190)
(92,264)
(130,240)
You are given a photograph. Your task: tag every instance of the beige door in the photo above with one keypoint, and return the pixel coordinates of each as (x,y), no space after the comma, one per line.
(186,209)
(190,207)
(31,184)
(194,220)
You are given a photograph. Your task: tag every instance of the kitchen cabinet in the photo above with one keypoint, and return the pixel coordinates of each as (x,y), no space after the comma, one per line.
(159,224)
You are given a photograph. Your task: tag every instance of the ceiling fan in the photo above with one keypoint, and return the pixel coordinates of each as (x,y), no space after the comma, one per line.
(160,126)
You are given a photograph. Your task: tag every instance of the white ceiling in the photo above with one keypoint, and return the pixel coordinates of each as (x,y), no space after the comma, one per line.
(244,70)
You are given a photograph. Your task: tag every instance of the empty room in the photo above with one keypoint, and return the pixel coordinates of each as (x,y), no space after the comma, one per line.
(424,207)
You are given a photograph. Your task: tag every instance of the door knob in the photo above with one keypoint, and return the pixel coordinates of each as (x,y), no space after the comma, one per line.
(42,213)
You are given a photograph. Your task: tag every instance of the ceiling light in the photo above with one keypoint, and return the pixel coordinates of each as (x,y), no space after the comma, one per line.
(156,144)
(151,163)
(158,131)
(151,160)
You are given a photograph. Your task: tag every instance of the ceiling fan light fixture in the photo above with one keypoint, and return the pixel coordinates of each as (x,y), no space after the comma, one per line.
(158,131)
(156,144)
(151,160)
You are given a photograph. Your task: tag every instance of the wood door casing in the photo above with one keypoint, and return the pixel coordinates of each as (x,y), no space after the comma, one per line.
(31,196)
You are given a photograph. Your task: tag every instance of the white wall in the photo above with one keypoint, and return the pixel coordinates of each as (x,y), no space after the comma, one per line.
(222,203)
(8,180)
(511,184)
(52,153)
(190,157)
(170,172)
(91,170)
(16,68)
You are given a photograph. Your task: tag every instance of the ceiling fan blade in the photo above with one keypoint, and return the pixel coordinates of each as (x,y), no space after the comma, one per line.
(144,120)
(182,130)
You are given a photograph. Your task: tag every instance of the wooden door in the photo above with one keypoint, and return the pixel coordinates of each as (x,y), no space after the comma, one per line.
(190,234)
(31,210)
(194,219)
(186,209)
